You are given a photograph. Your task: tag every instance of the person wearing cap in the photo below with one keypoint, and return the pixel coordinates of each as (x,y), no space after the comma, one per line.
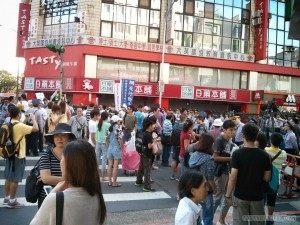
(14,169)
(33,138)
(146,110)
(122,111)
(216,130)
(50,161)
(238,139)
(114,152)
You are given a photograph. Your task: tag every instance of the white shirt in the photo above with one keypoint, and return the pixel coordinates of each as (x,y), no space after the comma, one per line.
(25,104)
(187,212)
(92,129)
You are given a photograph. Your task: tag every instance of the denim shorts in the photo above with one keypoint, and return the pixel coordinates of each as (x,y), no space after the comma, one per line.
(114,153)
(18,173)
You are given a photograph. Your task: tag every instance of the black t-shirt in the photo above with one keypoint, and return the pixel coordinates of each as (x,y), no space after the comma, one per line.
(251,164)
(147,139)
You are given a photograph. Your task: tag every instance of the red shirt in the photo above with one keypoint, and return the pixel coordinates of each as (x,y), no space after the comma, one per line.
(183,136)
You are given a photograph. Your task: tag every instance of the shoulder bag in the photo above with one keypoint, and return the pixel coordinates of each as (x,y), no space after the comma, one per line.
(59,207)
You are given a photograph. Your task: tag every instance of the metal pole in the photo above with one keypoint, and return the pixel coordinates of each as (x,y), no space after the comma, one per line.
(162,63)
(161,76)
(61,73)
(18,75)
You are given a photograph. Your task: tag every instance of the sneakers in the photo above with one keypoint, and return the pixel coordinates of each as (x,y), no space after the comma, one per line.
(15,204)
(177,179)
(172,177)
(5,201)
(138,184)
(148,189)
(154,167)
(218,223)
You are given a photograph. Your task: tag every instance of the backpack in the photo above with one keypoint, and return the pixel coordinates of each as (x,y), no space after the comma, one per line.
(175,136)
(139,146)
(8,148)
(272,185)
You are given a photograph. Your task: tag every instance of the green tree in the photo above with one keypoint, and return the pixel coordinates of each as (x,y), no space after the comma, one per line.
(8,82)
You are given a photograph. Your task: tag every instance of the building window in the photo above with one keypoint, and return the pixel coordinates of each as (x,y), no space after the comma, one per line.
(136,20)
(278,40)
(59,17)
(207,20)
(116,69)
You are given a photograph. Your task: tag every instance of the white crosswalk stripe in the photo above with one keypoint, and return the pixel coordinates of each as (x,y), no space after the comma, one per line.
(120,179)
(116,197)
(137,195)
(28,168)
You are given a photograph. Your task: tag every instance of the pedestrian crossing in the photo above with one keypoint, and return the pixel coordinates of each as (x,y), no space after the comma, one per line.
(127,193)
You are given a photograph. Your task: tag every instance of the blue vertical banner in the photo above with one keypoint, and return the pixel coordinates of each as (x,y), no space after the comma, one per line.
(127,92)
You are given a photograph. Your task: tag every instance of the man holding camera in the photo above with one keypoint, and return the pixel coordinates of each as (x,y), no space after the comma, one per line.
(79,124)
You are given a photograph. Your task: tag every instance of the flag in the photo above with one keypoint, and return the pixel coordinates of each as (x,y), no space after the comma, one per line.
(294,31)
(53,95)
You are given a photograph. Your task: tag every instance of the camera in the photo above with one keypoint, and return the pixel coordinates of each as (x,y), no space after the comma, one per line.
(78,129)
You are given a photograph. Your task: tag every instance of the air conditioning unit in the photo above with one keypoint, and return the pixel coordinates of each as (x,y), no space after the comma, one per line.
(256,21)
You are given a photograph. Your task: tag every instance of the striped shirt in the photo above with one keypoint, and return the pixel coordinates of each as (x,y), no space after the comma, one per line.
(53,165)
(280,159)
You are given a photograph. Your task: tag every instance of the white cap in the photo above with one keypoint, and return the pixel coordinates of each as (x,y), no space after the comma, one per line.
(115,118)
(146,108)
(124,106)
(217,123)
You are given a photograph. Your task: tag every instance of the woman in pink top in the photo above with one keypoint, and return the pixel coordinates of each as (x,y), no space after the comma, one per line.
(186,137)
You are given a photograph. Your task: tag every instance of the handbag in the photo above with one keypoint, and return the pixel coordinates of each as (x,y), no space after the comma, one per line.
(157,148)
(59,207)
(33,185)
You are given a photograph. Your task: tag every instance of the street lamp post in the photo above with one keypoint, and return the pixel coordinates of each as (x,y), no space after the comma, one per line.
(160,82)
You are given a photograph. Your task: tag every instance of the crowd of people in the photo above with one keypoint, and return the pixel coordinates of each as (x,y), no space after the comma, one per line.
(218,159)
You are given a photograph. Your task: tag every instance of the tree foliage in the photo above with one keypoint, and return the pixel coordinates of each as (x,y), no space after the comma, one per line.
(8,82)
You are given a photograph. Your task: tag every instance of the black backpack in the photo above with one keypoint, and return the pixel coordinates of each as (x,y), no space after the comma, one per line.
(139,146)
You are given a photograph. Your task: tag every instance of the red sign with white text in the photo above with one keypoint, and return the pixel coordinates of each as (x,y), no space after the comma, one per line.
(23,26)
(217,94)
(258,95)
(43,63)
(261,30)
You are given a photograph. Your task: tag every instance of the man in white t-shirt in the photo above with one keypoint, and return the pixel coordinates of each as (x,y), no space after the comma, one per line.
(95,114)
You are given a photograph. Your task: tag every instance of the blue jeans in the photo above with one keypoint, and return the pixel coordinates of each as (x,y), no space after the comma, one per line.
(101,150)
(208,210)
(182,167)
(166,154)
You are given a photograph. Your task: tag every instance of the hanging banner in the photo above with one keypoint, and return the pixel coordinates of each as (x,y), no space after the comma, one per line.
(127,92)
(261,30)
(23,27)
(117,95)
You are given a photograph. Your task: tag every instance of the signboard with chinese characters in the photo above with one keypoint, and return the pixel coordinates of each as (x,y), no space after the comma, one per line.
(81,27)
(23,26)
(127,91)
(261,30)
(52,84)
(142,46)
(28,83)
(170,21)
(144,89)
(187,92)
(106,86)
(218,94)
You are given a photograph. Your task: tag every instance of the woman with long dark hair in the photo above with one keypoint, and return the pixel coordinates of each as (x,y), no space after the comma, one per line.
(83,199)
(101,143)
(202,161)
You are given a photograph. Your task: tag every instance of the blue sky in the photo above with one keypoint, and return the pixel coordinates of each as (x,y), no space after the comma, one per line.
(8,19)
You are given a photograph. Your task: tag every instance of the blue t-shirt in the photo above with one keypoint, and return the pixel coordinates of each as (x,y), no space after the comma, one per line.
(140,118)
